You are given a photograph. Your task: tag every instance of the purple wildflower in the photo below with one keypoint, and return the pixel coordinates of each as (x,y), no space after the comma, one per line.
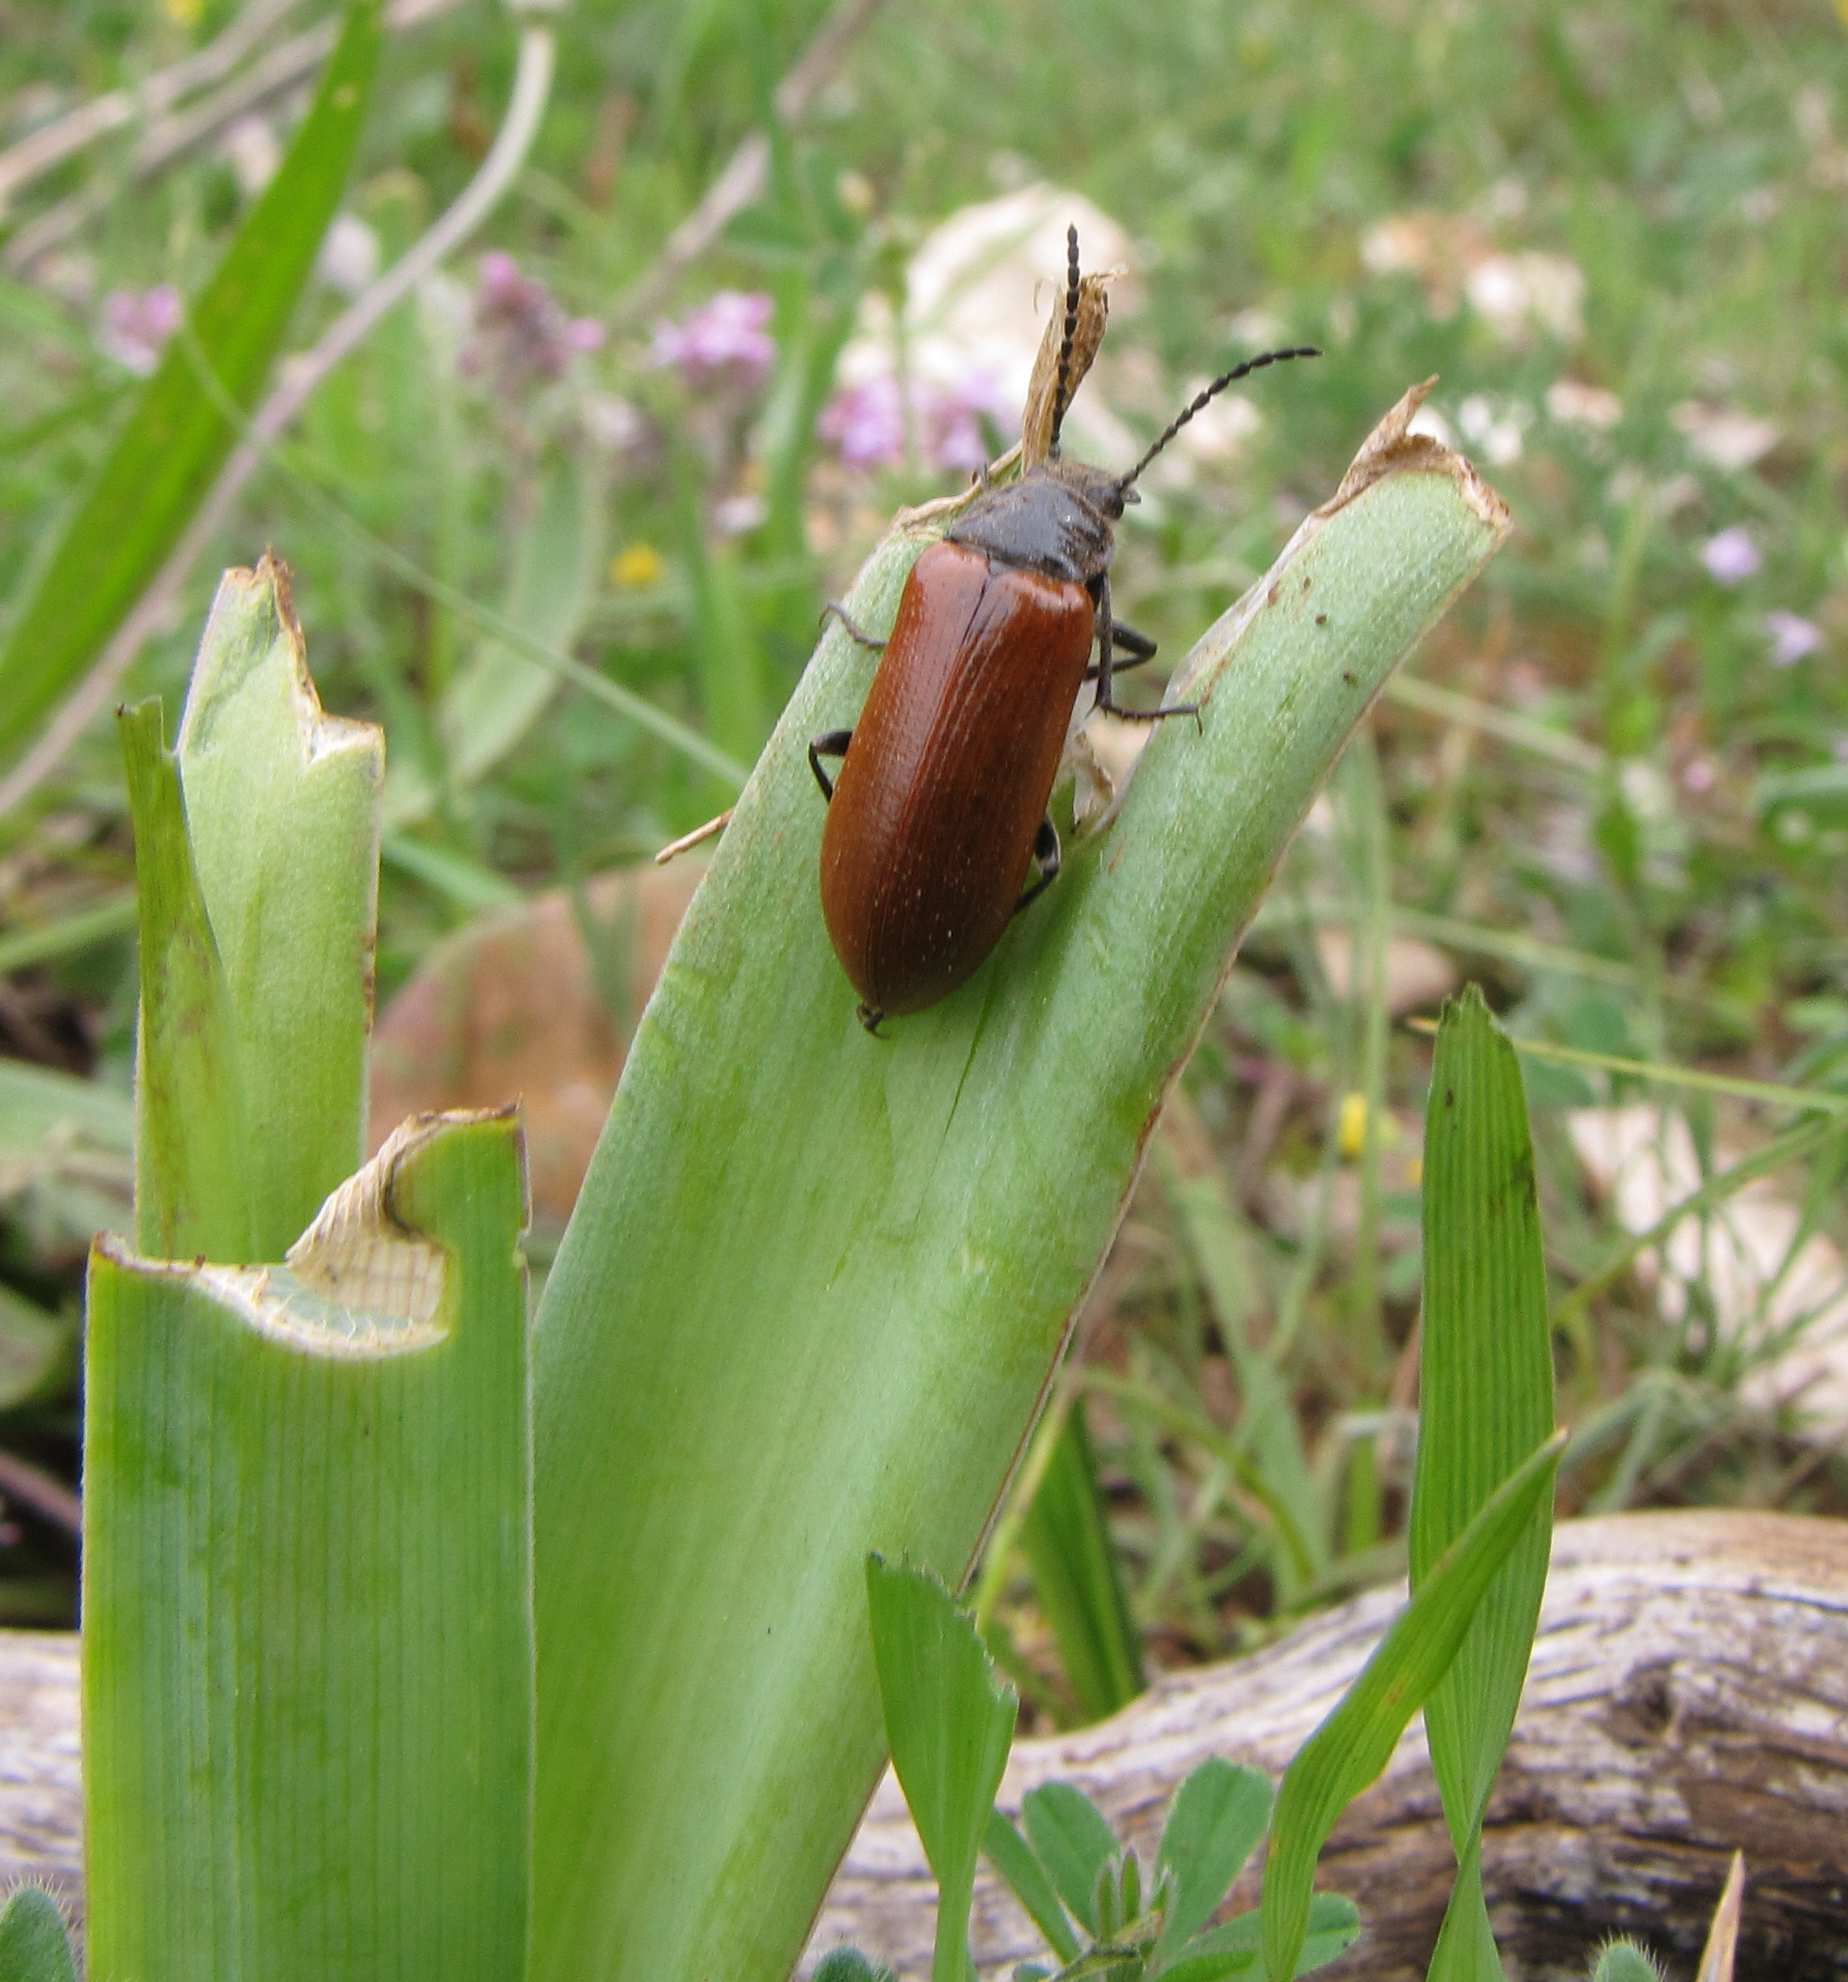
(520,331)
(1793,638)
(866,423)
(954,423)
(1732,557)
(137,324)
(726,340)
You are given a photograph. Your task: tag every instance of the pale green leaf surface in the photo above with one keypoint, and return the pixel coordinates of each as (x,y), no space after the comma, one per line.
(949,1721)
(1071,1838)
(192,1192)
(816,1282)
(179,431)
(34,1946)
(282,808)
(1218,1816)
(1356,1741)
(1237,1948)
(307,1651)
(1013,1858)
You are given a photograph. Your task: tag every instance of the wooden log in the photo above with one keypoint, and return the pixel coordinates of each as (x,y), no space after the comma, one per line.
(1688,1696)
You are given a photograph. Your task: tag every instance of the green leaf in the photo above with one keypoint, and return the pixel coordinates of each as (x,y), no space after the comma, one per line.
(191,1146)
(1068,1548)
(1268,1436)
(1011,1856)
(1624,1961)
(882,1242)
(1072,1841)
(1236,1949)
(1485,1383)
(949,1721)
(1356,1741)
(36,1358)
(179,433)
(1217,1817)
(307,1646)
(497,698)
(1485,1402)
(282,810)
(34,1945)
(1466,1950)
(850,1965)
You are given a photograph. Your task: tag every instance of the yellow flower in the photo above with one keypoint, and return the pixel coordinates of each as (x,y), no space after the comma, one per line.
(183,13)
(639,565)
(1351,1133)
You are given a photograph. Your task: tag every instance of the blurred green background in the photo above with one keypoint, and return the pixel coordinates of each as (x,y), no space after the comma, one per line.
(1614,787)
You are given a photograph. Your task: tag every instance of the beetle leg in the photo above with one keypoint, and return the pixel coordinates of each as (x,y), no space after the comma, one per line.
(869,1017)
(1046,856)
(1106,637)
(1138,646)
(835,610)
(831,743)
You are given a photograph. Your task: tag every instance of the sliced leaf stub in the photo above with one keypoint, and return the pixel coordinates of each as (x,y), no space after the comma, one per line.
(251,610)
(360,1255)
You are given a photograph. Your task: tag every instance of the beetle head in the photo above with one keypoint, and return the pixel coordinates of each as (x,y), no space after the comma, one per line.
(1104,492)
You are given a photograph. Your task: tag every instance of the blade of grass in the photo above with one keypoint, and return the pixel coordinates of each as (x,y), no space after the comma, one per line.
(176,437)
(788,1223)
(1772,1093)
(307,1652)
(1267,1438)
(1068,1548)
(1485,1401)
(949,1721)
(497,698)
(1356,1741)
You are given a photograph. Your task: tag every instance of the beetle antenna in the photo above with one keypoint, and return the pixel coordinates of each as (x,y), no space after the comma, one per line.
(1218,386)
(1061,395)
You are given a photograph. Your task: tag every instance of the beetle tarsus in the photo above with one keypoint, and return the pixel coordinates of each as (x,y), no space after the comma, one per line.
(835,610)
(1160,715)
(869,1017)
(831,743)
(1138,646)
(1046,855)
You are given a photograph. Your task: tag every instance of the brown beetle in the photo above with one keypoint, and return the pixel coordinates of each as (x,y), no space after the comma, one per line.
(941,799)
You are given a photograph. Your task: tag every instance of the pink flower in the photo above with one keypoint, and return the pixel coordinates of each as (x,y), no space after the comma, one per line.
(866,423)
(1793,638)
(725,340)
(954,423)
(521,333)
(1732,557)
(137,323)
